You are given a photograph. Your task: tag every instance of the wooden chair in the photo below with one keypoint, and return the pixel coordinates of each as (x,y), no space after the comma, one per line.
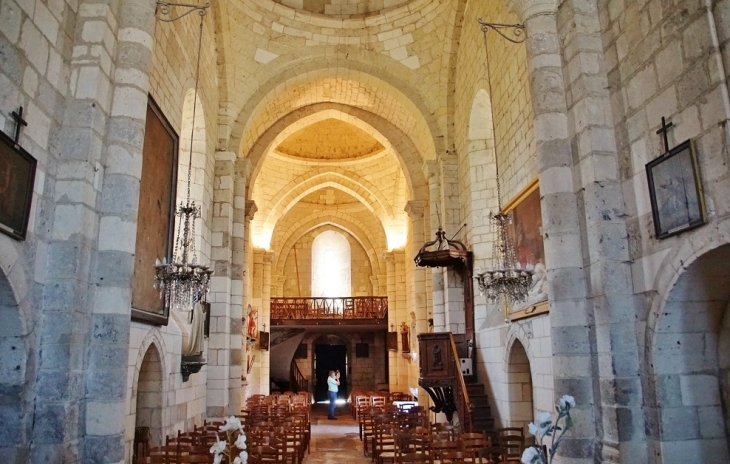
(378,401)
(441,447)
(405,458)
(511,443)
(384,441)
(264,454)
(367,430)
(456,457)
(477,444)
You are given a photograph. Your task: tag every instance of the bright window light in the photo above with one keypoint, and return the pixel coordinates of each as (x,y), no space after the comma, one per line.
(331,263)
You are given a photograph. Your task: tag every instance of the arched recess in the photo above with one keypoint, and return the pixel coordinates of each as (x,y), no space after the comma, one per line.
(479,172)
(519,387)
(688,355)
(17,368)
(349,225)
(193,147)
(148,395)
(340,354)
(410,159)
(300,188)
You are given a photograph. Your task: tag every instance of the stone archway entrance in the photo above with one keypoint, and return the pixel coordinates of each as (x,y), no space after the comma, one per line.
(149,396)
(691,363)
(519,385)
(14,368)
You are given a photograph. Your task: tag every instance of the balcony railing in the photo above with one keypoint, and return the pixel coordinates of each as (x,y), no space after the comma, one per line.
(361,307)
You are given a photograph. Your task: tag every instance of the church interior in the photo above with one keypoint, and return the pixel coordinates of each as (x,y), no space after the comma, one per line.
(476,205)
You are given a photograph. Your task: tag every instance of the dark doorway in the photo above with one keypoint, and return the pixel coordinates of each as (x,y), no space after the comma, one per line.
(329,358)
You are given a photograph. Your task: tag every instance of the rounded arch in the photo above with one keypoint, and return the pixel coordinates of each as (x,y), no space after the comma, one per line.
(17,367)
(687,340)
(350,225)
(407,153)
(358,67)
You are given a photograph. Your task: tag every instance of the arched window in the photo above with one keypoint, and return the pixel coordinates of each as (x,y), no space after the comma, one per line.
(331,263)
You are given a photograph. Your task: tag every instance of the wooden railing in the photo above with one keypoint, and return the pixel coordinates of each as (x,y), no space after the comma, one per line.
(440,375)
(361,307)
(297,381)
(461,395)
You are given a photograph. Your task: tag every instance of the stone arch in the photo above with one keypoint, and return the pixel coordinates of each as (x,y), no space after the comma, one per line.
(519,386)
(409,157)
(687,340)
(481,168)
(17,367)
(357,66)
(150,380)
(193,147)
(359,188)
(348,342)
(351,226)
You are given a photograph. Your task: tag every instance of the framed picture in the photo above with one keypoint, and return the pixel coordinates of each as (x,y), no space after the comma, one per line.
(675,188)
(156,215)
(392,341)
(362,350)
(17,177)
(264,341)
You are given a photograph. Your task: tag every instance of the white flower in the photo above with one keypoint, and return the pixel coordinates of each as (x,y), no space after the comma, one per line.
(232,423)
(567,399)
(242,458)
(218,459)
(544,419)
(218,447)
(534,429)
(530,456)
(241,442)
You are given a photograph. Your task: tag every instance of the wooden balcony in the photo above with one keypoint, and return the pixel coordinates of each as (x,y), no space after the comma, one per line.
(353,310)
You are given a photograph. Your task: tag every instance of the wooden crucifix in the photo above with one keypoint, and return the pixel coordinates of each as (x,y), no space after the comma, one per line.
(664,130)
(19,123)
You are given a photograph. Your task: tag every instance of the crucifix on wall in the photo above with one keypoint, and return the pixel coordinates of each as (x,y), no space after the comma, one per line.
(675,187)
(17,178)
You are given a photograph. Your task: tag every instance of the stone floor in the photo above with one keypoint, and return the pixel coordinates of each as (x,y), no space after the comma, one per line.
(334,442)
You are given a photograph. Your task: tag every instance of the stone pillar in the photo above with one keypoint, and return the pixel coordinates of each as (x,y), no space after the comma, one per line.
(265,320)
(606,259)
(418,301)
(392,317)
(219,341)
(105,167)
(438,309)
(246,272)
(257,286)
(572,338)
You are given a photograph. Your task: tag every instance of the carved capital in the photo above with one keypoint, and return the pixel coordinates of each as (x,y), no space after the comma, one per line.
(251,209)
(526,9)
(415,209)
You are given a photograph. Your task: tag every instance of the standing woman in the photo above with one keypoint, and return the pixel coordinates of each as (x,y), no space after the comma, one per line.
(333,382)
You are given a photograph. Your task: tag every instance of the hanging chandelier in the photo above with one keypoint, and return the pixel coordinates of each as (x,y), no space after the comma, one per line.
(505,279)
(183,282)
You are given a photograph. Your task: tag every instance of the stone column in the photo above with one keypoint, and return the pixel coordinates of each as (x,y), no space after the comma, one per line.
(438,308)
(246,272)
(265,319)
(257,286)
(571,331)
(418,301)
(606,260)
(392,316)
(102,173)
(219,341)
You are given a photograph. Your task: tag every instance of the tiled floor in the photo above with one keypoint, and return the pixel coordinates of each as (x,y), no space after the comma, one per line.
(334,442)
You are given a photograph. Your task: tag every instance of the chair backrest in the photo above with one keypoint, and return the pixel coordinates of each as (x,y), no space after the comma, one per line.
(456,457)
(264,454)
(378,401)
(511,441)
(415,457)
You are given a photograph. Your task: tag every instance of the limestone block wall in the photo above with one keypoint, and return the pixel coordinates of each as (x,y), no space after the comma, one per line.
(514,405)
(182,405)
(670,61)
(343,8)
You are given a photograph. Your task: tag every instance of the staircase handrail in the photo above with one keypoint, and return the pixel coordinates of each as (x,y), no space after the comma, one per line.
(463,405)
(296,378)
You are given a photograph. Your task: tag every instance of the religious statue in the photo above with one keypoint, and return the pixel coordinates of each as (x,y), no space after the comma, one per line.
(252,332)
(405,343)
(193,344)
(538,291)
(437,363)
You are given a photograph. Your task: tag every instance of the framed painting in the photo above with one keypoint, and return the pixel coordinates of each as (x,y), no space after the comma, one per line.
(17,177)
(362,350)
(156,215)
(526,232)
(675,189)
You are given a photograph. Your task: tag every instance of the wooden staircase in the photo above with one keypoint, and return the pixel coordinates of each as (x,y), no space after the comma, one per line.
(482,419)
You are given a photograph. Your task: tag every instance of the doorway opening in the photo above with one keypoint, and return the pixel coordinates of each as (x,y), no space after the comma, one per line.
(330,354)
